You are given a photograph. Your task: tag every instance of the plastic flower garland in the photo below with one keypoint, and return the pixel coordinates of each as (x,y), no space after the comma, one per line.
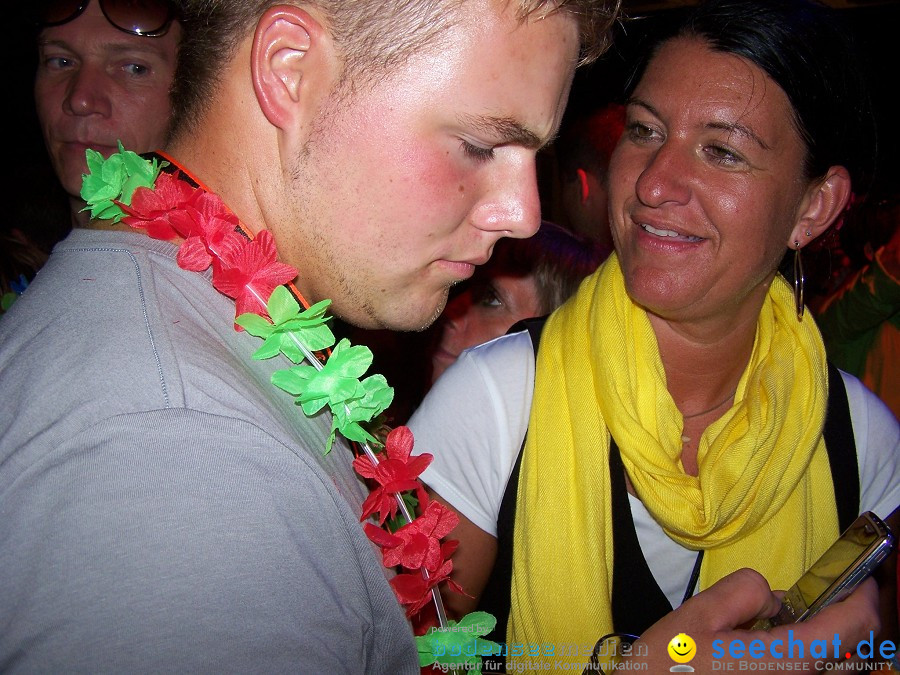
(128,188)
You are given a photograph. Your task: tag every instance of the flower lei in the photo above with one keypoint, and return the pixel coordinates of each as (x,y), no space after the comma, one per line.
(129,188)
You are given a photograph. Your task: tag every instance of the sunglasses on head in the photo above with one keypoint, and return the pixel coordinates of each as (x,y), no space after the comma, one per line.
(150,18)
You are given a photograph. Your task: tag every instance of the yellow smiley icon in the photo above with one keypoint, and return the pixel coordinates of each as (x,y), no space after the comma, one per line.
(682,648)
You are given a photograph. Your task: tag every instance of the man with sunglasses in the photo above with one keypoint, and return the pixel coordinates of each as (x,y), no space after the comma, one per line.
(104,75)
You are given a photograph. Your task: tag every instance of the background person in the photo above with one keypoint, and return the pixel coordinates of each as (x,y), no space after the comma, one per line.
(104,76)
(524,278)
(677,401)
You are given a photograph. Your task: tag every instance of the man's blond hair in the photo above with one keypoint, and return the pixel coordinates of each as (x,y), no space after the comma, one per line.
(374,37)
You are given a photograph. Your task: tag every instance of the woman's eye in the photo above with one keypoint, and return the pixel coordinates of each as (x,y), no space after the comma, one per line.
(638,131)
(486,297)
(723,155)
(476,152)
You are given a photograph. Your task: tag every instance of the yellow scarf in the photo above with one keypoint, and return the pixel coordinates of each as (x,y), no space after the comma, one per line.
(763,496)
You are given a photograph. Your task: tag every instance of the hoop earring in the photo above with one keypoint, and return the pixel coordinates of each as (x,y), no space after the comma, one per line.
(799,279)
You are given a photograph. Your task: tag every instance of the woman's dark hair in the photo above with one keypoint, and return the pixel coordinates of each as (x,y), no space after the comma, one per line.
(803,47)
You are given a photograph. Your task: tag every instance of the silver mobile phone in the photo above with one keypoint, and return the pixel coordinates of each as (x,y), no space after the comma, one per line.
(849,562)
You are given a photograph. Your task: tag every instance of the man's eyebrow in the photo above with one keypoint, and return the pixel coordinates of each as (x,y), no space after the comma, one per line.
(110,47)
(503,130)
(731,127)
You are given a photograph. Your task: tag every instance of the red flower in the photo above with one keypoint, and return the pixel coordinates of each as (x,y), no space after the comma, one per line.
(209,230)
(417,544)
(414,591)
(160,211)
(398,473)
(248,272)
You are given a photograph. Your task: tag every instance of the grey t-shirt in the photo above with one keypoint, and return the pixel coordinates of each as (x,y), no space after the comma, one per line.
(162,506)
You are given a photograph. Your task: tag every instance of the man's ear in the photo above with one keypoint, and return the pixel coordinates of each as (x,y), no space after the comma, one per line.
(290,53)
(823,204)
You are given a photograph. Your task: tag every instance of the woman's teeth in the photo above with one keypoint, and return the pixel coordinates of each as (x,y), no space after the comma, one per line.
(668,233)
(659,233)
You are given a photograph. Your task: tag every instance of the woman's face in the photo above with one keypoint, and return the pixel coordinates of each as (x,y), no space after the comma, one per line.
(706,185)
(492,303)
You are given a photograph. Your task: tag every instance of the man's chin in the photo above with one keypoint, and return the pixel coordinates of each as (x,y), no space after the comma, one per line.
(403,319)
(434,315)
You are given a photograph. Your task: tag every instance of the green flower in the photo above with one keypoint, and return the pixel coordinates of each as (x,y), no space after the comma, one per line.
(377,397)
(115,179)
(289,327)
(337,385)
(459,643)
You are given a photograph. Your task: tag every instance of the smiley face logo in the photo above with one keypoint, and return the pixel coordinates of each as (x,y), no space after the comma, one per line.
(682,648)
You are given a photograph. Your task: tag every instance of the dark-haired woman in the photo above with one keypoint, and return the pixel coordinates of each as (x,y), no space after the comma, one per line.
(683,422)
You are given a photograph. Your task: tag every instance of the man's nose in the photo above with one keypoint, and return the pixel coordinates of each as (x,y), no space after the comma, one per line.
(512,206)
(88,93)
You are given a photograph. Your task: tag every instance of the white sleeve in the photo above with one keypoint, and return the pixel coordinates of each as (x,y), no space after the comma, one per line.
(473,421)
(877,437)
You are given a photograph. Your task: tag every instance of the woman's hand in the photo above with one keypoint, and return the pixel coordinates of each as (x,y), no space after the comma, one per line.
(713,619)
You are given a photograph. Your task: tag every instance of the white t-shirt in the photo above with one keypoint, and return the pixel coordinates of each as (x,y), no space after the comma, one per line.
(475,417)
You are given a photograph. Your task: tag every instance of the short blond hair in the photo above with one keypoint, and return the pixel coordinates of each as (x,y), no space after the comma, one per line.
(374,35)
